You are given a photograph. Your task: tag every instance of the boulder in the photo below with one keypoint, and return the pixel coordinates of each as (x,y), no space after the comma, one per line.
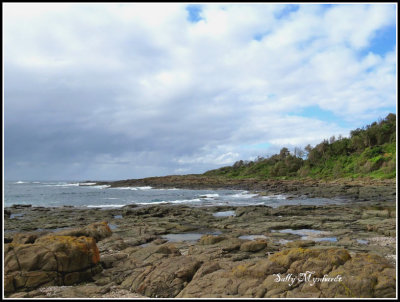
(210,239)
(51,260)
(167,249)
(253,246)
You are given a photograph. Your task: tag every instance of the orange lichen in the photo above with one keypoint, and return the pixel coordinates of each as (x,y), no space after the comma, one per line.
(106,225)
(86,245)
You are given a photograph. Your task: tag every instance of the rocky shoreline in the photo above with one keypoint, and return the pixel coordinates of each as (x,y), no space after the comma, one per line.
(362,189)
(167,251)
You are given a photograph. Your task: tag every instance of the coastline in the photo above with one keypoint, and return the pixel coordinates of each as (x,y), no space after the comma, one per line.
(362,189)
(147,243)
(197,251)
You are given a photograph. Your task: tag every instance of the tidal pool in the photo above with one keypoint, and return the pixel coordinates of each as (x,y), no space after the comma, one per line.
(187,236)
(17,216)
(224,214)
(252,237)
(309,234)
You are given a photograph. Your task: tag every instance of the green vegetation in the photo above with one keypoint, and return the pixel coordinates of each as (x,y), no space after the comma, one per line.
(368,152)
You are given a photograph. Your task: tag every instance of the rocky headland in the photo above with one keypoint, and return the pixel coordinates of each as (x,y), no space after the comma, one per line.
(362,189)
(166,251)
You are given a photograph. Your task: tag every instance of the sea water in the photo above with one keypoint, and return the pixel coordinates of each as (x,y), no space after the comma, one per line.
(74,193)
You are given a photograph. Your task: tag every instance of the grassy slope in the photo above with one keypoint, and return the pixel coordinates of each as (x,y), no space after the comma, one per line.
(375,162)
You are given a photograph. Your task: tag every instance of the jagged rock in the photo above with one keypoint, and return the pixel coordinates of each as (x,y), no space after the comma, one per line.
(51,260)
(363,275)
(97,230)
(164,279)
(114,242)
(108,261)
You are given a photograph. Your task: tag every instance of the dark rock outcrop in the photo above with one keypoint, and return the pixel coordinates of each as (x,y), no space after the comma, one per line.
(63,258)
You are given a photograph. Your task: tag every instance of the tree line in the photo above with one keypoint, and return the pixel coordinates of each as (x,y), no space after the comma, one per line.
(368,151)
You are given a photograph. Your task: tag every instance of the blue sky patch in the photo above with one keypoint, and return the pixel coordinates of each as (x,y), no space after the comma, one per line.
(316,112)
(261,35)
(194,12)
(256,146)
(287,10)
(383,41)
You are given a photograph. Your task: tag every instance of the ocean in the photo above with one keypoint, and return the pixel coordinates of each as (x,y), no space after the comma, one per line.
(73,193)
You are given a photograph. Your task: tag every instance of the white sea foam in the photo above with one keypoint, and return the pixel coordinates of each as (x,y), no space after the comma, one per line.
(106,206)
(111,198)
(100,187)
(171,201)
(155,202)
(144,188)
(20,182)
(244,194)
(133,188)
(62,185)
(87,183)
(274,197)
(186,200)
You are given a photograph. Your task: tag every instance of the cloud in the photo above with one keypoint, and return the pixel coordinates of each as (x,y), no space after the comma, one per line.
(108,91)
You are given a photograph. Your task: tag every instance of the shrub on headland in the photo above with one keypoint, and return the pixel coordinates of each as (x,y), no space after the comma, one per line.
(368,152)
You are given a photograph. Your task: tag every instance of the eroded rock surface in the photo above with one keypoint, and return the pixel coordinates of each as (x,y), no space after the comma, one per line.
(50,260)
(50,251)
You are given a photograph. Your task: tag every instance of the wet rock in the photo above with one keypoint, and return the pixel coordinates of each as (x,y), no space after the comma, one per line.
(21,206)
(210,239)
(253,246)
(300,243)
(159,241)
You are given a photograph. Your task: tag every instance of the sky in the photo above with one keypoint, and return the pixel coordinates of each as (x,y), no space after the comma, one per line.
(129,90)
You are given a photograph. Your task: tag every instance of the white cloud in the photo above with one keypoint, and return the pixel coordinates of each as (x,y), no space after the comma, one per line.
(145,79)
